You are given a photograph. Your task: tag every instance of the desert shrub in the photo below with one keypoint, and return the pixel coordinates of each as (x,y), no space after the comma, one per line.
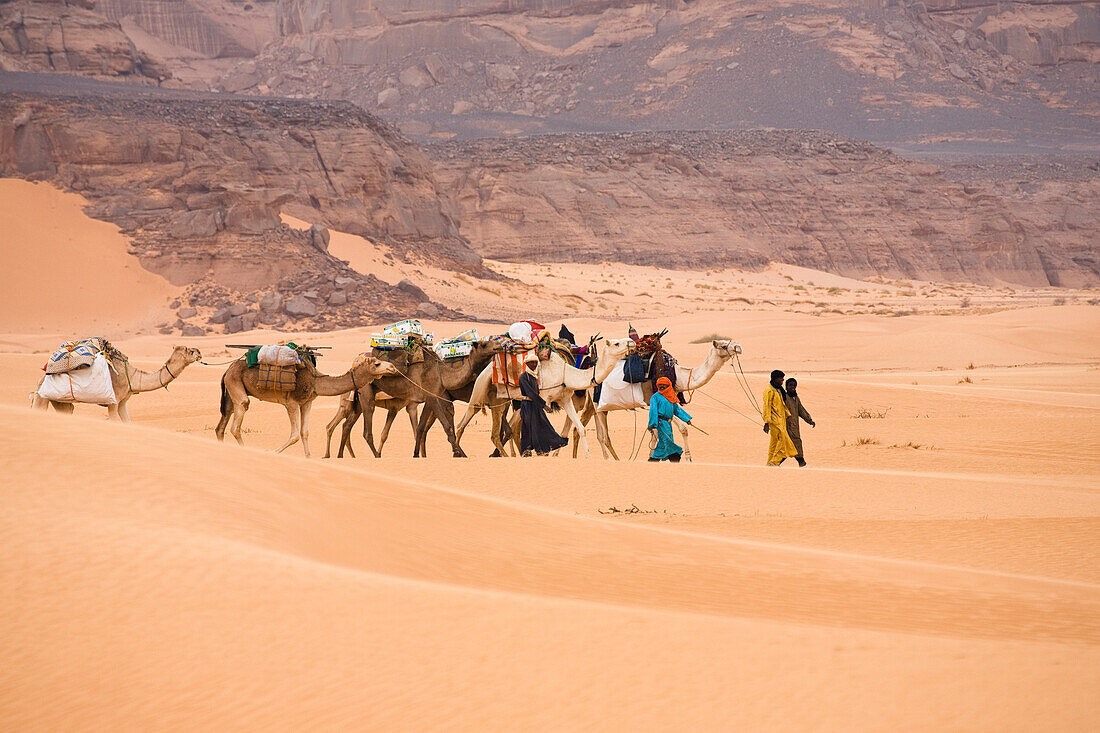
(707,339)
(964,303)
(1059,301)
(835,291)
(609,291)
(965,380)
(868,413)
(858,441)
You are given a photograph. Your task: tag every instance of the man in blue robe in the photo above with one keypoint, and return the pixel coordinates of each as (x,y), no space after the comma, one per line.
(663,406)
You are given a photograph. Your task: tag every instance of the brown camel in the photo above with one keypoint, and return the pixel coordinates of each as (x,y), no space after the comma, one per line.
(128,381)
(436,382)
(240,382)
(349,410)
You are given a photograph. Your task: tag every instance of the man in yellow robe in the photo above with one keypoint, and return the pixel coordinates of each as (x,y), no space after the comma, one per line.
(780,446)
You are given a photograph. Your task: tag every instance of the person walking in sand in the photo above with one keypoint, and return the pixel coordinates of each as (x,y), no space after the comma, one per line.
(796,410)
(537,435)
(663,406)
(780,447)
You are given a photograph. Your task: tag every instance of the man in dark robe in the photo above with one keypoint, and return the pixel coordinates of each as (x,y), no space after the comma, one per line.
(796,410)
(537,435)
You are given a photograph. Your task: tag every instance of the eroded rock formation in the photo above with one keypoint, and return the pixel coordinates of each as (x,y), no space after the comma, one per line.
(68,36)
(699,200)
(199,182)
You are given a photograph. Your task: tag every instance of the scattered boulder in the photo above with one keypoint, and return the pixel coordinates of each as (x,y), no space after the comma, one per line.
(237,309)
(271,302)
(221,316)
(428,310)
(193,331)
(415,77)
(501,77)
(300,307)
(436,66)
(338,297)
(234,325)
(319,237)
(193,225)
(249,320)
(187,312)
(250,218)
(388,97)
(408,286)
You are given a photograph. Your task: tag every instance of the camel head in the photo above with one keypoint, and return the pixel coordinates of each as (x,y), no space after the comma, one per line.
(185,354)
(372,368)
(615,349)
(484,349)
(726,348)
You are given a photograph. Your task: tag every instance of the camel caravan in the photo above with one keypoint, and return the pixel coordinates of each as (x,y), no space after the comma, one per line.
(407,370)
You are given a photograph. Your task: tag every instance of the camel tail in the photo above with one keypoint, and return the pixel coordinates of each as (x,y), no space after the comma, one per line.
(226,403)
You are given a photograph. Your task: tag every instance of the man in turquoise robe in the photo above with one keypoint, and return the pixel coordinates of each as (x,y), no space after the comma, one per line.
(663,406)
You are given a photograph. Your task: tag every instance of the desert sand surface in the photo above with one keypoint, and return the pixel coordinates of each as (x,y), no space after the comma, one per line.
(61,269)
(943,574)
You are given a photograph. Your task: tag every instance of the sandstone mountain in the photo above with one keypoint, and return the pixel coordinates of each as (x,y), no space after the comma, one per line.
(199,182)
(948,73)
(712,199)
(68,36)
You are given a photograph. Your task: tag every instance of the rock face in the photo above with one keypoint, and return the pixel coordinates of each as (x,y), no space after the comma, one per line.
(69,36)
(211,28)
(699,200)
(902,71)
(199,182)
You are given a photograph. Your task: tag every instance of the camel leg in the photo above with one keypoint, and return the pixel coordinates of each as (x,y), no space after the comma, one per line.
(64,407)
(341,415)
(112,413)
(345,433)
(295,415)
(603,435)
(497,411)
(445,413)
(390,415)
(684,434)
(304,426)
(423,425)
(515,424)
(572,411)
(471,410)
(123,411)
(366,406)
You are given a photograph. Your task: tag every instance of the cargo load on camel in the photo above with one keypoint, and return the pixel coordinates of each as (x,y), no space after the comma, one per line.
(277,365)
(80,371)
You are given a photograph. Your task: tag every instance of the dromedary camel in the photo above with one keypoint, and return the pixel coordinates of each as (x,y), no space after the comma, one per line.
(436,382)
(687,380)
(349,410)
(128,381)
(557,383)
(241,382)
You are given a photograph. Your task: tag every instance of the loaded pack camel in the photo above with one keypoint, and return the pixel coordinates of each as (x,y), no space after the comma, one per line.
(557,383)
(688,379)
(436,382)
(240,382)
(128,381)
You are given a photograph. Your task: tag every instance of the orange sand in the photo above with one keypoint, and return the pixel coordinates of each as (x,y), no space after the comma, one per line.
(64,271)
(159,579)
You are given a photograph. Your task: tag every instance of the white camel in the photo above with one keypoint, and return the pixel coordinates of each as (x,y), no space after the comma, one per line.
(557,383)
(688,379)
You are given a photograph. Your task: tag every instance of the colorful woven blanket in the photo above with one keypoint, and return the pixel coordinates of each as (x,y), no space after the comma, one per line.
(510,345)
(77,354)
(278,378)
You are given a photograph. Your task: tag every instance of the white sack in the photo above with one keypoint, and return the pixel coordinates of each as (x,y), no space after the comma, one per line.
(278,356)
(92,384)
(618,394)
(521,332)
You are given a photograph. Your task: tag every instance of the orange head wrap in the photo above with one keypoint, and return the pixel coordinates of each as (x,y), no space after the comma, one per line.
(664,386)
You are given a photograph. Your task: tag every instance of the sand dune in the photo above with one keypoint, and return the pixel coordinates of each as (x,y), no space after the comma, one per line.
(159,579)
(61,269)
(223,588)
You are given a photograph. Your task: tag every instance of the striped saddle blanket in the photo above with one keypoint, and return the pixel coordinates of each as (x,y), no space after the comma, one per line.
(73,355)
(506,369)
(277,378)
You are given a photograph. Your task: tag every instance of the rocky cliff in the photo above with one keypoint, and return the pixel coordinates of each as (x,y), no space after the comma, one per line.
(68,36)
(950,72)
(199,182)
(700,200)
